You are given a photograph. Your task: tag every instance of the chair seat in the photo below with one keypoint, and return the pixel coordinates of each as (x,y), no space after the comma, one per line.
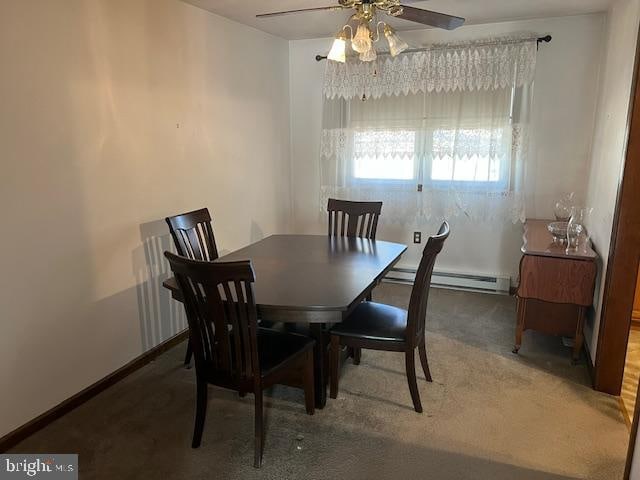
(374,321)
(276,348)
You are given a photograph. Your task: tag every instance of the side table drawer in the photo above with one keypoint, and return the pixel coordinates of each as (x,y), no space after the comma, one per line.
(557,280)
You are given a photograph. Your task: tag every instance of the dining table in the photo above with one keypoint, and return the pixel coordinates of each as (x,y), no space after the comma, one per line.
(312,280)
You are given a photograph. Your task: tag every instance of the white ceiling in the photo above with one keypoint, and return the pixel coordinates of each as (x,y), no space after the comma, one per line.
(324,24)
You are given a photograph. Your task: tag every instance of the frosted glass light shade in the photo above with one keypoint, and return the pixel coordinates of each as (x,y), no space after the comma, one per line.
(370,55)
(338,51)
(361,41)
(396,44)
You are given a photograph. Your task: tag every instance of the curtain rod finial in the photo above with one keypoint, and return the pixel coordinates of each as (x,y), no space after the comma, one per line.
(319,58)
(545,39)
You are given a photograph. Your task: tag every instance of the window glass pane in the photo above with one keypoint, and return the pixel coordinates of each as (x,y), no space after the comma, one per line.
(468,155)
(384,168)
(384,154)
(442,168)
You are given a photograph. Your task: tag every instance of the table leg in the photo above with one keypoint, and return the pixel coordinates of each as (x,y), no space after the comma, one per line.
(579,338)
(319,353)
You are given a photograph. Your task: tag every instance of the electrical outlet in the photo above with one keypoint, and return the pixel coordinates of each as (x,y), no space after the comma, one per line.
(417,237)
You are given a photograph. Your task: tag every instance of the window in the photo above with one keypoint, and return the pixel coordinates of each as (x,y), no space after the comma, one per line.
(434,134)
(473,156)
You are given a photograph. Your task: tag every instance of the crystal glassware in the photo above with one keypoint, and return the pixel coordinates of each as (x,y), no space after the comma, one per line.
(562,208)
(576,229)
(558,231)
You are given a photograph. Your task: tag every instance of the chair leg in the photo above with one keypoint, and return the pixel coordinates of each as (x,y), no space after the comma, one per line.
(369,297)
(259,429)
(411,378)
(334,354)
(357,355)
(308,382)
(422,348)
(201,413)
(188,355)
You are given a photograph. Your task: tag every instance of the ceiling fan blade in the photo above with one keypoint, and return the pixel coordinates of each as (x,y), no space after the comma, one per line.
(303,10)
(434,19)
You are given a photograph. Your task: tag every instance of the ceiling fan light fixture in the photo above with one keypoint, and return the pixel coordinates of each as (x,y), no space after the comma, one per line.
(361,41)
(370,55)
(395,10)
(396,44)
(338,52)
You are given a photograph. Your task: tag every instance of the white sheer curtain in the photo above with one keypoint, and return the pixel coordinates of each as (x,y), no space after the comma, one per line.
(432,134)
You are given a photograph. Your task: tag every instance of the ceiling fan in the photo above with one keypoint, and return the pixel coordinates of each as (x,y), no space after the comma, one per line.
(365,16)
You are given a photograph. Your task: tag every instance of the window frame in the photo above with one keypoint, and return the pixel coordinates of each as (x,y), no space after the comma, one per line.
(424,130)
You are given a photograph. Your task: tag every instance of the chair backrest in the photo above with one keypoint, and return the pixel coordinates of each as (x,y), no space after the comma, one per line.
(221,312)
(353,219)
(193,235)
(420,292)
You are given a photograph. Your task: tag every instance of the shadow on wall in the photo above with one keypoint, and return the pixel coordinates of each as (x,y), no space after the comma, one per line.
(161,317)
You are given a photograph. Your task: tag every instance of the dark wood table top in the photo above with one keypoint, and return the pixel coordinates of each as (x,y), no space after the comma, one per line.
(314,273)
(539,241)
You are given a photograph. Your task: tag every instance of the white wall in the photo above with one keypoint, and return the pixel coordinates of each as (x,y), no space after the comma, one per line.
(564,107)
(114,114)
(610,136)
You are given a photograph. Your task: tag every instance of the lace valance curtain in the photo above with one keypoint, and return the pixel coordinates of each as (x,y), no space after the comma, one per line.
(485,65)
(436,133)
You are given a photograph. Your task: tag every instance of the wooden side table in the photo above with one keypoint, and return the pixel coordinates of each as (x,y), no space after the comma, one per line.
(556,287)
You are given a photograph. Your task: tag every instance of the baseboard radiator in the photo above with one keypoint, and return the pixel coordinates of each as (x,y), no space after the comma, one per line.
(456,281)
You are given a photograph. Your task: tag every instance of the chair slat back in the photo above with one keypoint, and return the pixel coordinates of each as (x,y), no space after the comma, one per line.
(353,219)
(193,235)
(221,311)
(420,292)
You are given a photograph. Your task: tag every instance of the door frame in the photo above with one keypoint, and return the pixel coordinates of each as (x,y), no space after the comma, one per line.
(624,255)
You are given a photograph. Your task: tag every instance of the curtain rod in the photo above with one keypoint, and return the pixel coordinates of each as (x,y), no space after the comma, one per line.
(539,40)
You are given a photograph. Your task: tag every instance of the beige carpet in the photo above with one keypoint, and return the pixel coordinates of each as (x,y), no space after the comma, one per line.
(488,415)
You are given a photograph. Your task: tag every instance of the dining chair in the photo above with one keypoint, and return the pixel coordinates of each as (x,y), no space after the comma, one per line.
(377,326)
(193,237)
(353,219)
(230,350)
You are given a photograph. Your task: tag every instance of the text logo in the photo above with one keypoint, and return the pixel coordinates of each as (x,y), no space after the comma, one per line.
(39,466)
